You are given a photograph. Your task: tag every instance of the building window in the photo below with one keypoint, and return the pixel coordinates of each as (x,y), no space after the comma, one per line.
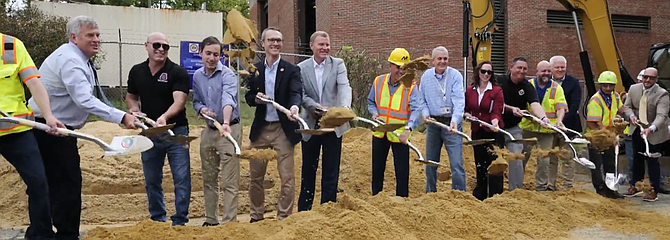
(619,22)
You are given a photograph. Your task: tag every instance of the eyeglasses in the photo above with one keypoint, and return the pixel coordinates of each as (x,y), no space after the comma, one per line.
(274,40)
(157,45)
(649,77)
(489,72)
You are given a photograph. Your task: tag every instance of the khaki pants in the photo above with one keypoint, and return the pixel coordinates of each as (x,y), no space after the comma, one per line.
(547,167)
(214,152)
(272,136)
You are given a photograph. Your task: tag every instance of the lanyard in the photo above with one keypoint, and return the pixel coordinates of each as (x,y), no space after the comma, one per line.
(443,88)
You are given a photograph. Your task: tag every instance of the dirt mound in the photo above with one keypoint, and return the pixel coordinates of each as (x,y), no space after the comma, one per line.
(259,154)
(512,215)
(601,138)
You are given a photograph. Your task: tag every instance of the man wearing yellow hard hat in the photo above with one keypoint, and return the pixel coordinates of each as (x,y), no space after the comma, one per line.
(390,101)
(603,107)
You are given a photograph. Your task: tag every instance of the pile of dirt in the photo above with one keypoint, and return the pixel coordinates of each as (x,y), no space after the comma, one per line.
(520,214)
(336,116)
(601,138)
(619,127)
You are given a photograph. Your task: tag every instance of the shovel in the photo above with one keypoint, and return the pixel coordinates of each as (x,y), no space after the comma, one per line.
(613,180)
(336,121)
(512,139)
(421,159)
(153,131)
(218,126)
(646,145)
(556,129)
(173,138)
(583,161)
(121,145)
(469,140)
(305,129)
(379,126)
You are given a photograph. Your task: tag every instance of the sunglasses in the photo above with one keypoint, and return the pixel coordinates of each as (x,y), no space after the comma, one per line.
(649,77)
(156,46)
(489,72)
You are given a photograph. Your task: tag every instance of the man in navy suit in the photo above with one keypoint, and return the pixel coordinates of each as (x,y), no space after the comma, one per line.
(280,80)
(573,95)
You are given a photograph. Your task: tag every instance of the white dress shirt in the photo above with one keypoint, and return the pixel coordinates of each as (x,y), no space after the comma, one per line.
(318,71)
(69,81)
(489,86)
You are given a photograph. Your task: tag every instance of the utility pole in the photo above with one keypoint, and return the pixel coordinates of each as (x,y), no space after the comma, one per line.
(149,3)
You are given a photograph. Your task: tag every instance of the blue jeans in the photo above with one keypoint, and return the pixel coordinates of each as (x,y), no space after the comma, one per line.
(180,166)
(435,137)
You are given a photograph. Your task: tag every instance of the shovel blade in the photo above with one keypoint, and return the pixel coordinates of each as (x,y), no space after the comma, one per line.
(479,142)
(651,155)
(124,145)
(578,141)
(525,141)
(157,131)
(585,162)
(612,181)
(316,131)
(388,127)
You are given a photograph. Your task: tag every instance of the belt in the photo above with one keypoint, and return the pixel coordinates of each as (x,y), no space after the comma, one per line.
(442,119)
(233,122)
(42,120)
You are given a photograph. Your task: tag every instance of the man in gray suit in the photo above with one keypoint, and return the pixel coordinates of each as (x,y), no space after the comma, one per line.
(648,104)
(325,85)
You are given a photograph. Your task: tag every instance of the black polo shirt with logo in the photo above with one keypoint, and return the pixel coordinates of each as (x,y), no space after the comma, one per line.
(155,91)
(517,95)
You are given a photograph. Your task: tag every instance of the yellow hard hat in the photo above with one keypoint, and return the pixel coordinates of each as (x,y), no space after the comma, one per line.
(399,56)
(607,77)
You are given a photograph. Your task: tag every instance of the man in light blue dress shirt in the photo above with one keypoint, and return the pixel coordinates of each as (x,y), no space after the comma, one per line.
(69,77)
(443,99)
(215,89)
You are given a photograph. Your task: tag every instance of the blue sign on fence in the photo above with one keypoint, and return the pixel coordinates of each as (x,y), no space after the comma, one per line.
(189,57)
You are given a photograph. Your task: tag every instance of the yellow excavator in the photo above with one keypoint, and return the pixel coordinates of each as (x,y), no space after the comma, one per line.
(479,17)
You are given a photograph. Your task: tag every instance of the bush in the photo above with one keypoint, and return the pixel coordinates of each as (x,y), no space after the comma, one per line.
(41,33)
(362,68)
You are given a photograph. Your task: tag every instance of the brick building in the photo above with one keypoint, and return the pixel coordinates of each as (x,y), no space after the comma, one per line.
(536,29)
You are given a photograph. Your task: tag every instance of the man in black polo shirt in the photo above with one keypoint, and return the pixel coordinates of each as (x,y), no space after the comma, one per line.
(162,87)
(518,93)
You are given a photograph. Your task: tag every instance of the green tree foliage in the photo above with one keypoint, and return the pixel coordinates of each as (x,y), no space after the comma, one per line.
(362,68)
(211,5)
(41,33)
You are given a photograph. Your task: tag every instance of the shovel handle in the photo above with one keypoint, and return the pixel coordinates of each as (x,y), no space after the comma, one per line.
(238,151)
(38,125)
(442,125)
(373,123)
(285,111)
(552,127)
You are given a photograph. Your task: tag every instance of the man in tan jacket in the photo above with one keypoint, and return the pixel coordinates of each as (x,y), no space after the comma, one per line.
(648,104)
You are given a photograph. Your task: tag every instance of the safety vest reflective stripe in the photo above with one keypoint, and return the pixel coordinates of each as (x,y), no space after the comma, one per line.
(28,73)
(7,126)
(8,54)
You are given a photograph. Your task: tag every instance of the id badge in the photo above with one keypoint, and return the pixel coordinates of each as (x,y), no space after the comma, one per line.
(446,110)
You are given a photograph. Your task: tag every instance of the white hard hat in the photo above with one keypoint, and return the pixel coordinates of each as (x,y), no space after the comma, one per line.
(639,76)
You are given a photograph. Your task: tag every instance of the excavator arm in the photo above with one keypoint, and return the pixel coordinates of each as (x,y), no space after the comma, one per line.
(479,17)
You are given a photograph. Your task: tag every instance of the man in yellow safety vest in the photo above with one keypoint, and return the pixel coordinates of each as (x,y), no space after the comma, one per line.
(17,142)
(602,109)
(390,101)
(553,102)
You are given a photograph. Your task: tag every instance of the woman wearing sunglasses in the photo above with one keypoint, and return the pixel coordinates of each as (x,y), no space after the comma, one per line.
(484,101)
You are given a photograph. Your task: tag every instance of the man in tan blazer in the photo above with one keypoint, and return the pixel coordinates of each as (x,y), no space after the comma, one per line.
(325,85)
(648,104)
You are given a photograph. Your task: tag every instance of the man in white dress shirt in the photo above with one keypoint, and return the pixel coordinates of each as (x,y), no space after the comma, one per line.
(69,77)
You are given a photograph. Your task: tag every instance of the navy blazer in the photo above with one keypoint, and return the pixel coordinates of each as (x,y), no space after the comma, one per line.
(288,92)
(573,95)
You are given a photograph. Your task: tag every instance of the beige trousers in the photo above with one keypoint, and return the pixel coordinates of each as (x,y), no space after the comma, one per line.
(272,136)
(547,167)
(214,156)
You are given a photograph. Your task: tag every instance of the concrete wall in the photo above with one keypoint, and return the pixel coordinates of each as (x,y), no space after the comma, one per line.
(134,25)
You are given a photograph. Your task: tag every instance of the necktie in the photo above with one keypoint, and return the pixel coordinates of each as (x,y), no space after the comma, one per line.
(643,108)
(97,84)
